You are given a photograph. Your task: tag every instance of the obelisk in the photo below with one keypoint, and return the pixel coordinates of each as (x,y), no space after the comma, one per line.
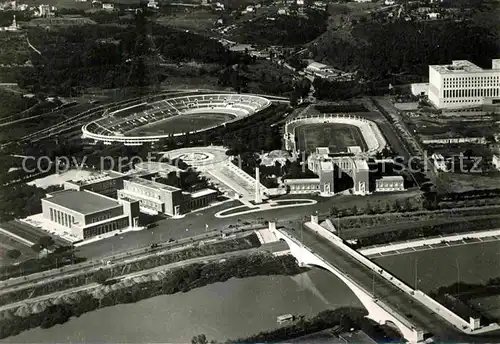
(258,198)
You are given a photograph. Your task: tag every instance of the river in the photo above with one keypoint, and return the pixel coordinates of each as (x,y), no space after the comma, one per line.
(241,307)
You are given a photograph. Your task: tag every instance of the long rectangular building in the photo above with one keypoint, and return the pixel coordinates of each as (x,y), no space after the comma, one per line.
(85,214)
(464,84)
(156,197)
(105,183)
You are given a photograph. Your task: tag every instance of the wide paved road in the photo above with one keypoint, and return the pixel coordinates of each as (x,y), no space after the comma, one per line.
(399,301)
(194,223)
(67,271)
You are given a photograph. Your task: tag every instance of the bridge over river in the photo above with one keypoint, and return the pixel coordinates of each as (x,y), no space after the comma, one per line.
(387,299)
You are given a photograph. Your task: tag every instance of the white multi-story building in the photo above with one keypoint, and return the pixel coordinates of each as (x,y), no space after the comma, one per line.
(495,161)
(156,197)
(390,183)
(44,11)
(463,84)
(439,162)
(108,7)
(153,4)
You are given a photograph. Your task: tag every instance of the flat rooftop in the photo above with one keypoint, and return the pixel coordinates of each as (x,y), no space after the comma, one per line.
(81,201)
(203,192)
(391,178)
(107,175)
(354,149)
(326,166)
(153,184)
(459,66)
(361,164)
(302,181)
(322,150)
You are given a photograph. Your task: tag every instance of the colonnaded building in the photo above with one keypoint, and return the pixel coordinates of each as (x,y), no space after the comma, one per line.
(329,163)
(156,197)
(148,187)
(464,84)
(322,162)
(85,214)
(111,201)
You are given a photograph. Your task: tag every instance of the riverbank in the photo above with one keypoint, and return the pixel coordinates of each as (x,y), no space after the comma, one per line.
(240,308)
(344,319)
(58,310)
(152,258)
(338,321)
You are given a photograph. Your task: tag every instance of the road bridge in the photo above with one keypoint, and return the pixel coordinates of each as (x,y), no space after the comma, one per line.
(380,300)
(387,300)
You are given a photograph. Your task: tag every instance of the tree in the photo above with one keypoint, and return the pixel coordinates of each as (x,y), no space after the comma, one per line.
(199,339)
(396,206)
(46,241)
(293,100)
(37,248)
(407,205)
(369,208)
(13,254)
(99,277)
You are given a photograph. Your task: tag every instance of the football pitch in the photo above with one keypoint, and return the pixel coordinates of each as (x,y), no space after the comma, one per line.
(182,124)
(336,136)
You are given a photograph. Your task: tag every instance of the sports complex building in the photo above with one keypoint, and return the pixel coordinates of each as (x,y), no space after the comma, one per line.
(173,116)
(146,185)
(335,143)
(156,197)
(85,214)
(111,201)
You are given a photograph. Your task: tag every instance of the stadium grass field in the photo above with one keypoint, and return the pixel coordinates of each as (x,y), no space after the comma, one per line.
(182,124)
(336,136)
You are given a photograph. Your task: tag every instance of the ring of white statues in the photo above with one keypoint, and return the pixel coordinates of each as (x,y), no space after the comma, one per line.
(114,126)
(373,137)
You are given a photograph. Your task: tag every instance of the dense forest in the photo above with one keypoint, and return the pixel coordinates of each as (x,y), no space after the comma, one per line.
(110,56)
(380,50)
(284,30)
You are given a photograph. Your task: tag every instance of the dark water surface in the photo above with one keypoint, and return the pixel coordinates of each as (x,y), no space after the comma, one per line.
(241,307)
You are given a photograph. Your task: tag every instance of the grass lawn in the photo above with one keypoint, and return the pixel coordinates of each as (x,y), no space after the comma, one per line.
(183,123)
(337,136)
(461,182)
(199,19)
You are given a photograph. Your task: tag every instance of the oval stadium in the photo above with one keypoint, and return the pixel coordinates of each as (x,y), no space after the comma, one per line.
(338,132)
(173,116)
